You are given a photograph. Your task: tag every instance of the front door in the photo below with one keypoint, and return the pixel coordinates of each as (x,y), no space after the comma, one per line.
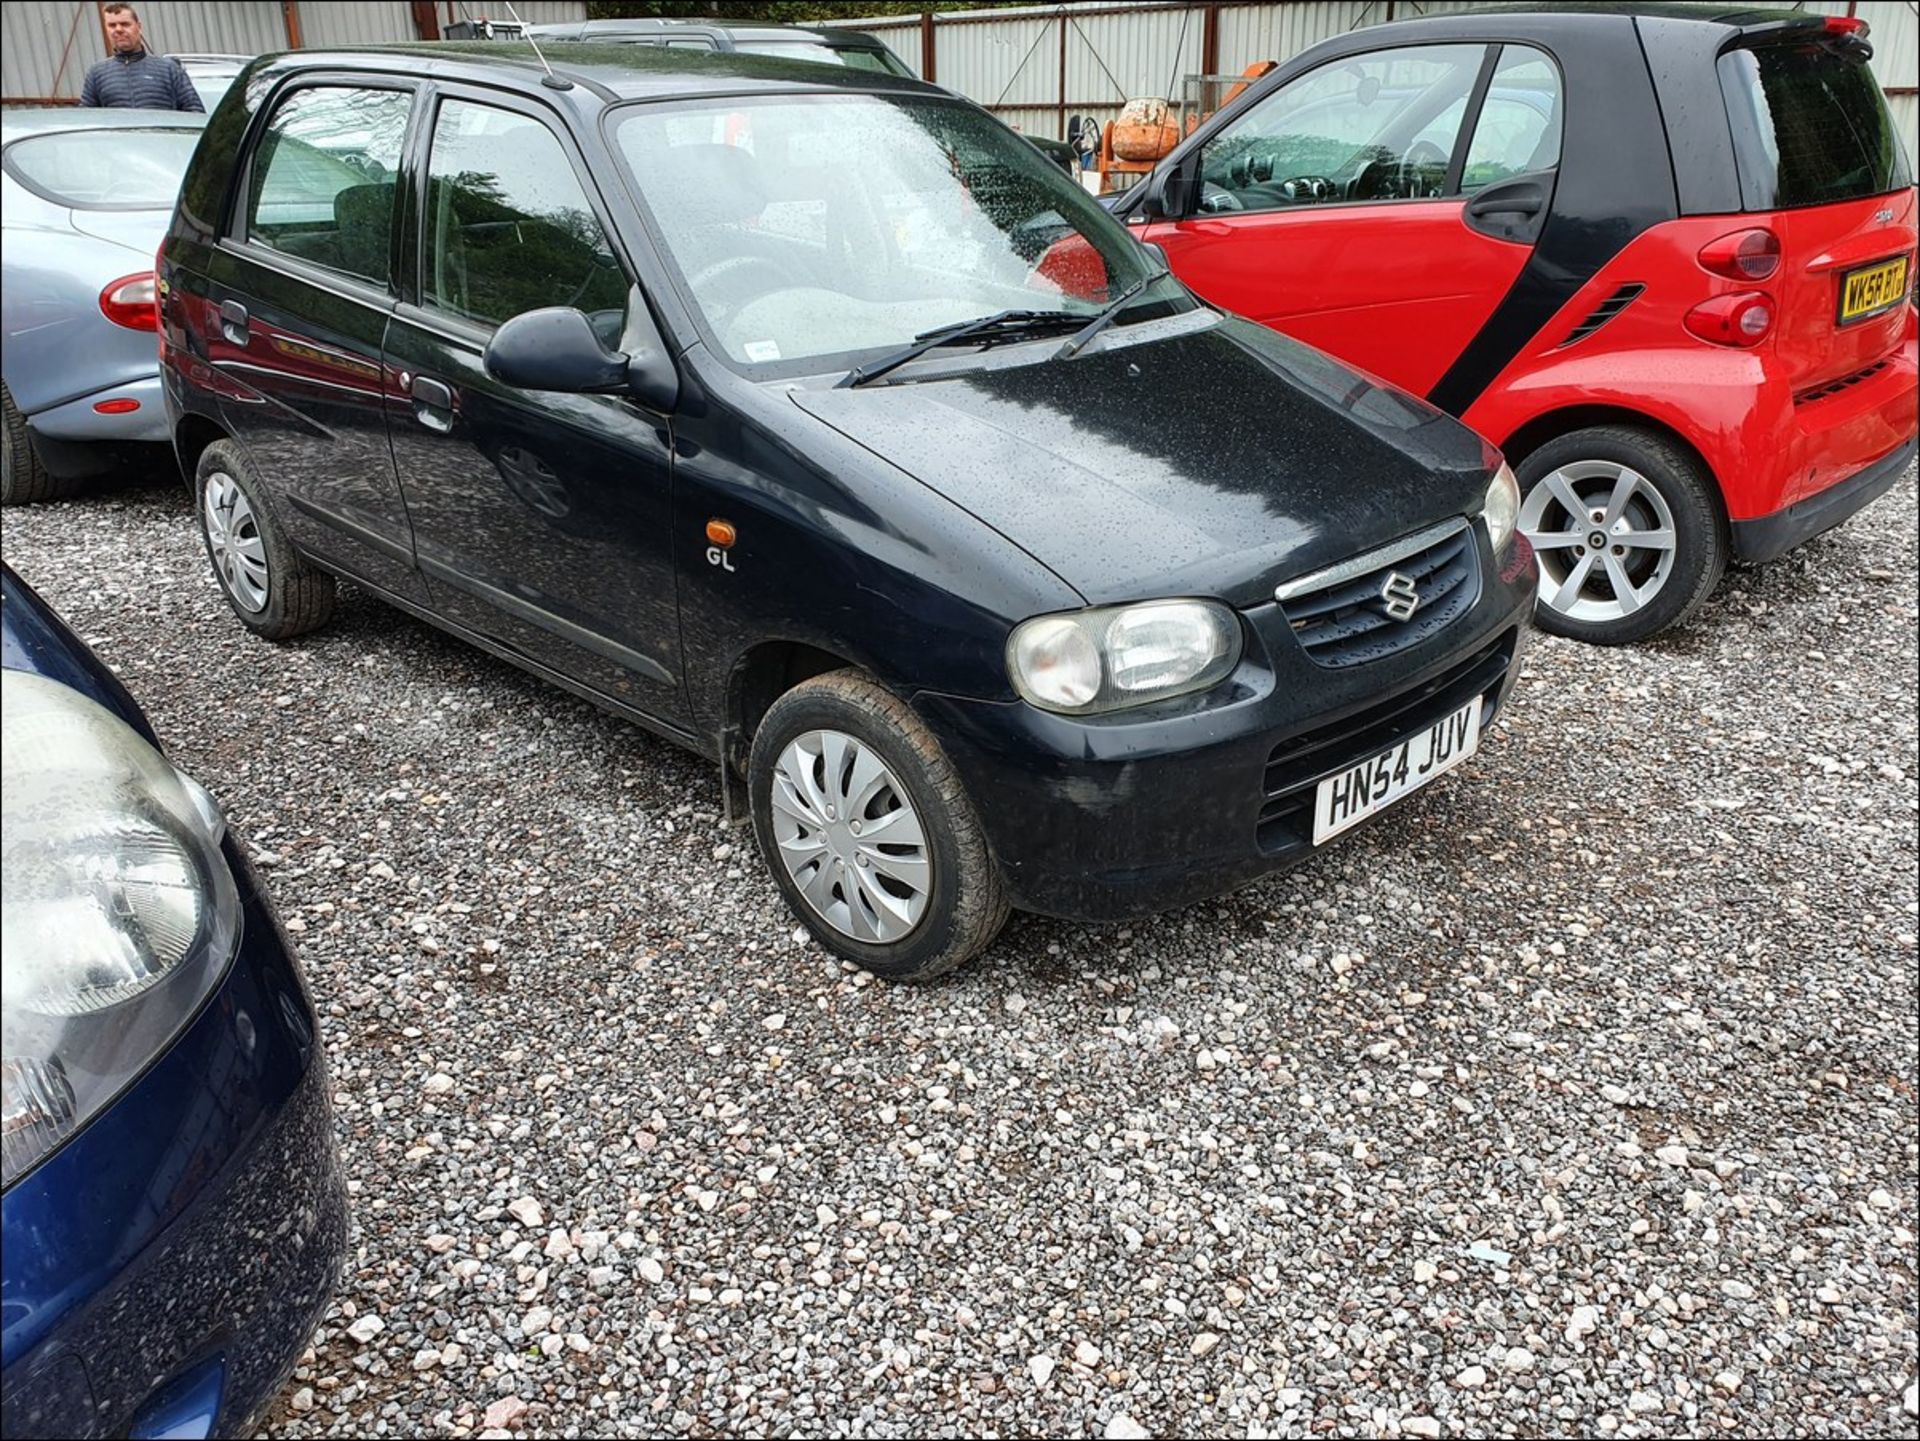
(300,290)
(540,520)
(1379,206)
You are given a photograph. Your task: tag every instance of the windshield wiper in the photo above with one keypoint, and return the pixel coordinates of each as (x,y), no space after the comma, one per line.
(1078,340)
(1002,324)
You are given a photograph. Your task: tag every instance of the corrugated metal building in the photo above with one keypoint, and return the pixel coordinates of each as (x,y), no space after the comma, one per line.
(47,45)
(1036,66)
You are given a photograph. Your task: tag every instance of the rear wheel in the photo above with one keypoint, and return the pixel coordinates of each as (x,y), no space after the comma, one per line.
(1628,532)
(868,832)
(22,476)
(267,582)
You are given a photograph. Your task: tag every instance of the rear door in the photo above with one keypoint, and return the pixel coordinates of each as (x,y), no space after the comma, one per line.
(1380,205)
(541,520)
(300,291)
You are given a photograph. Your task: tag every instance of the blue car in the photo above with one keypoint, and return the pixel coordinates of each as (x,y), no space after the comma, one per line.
(174,1216)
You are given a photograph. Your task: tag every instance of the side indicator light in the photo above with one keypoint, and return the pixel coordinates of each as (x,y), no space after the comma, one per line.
(721,533)
(126,405)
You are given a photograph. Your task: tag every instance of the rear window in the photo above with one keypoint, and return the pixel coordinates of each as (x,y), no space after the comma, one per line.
(1810,125)
(854,58)
(104,169)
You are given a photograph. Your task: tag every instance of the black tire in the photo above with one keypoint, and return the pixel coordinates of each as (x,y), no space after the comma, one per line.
(22,477)
(299,596)
(1699,524)
(966,905)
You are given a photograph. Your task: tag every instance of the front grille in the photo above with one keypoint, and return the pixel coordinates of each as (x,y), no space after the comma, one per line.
(1845,382)
(1298,763)
(1604,311)
(1345,615)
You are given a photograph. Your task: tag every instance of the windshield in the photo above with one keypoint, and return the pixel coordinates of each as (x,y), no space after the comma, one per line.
(811,227)
(105,169)
(1810,125)
(821,53)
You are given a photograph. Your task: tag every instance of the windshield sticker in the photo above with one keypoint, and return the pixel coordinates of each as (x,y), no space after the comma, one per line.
(762,350)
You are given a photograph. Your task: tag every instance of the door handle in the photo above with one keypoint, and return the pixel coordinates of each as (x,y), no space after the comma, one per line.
(432,403)
(1514,202)
(1514,210)
(233,321)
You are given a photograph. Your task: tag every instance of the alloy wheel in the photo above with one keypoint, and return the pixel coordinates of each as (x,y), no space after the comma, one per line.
(233,536)
(1604,536)
(849,837)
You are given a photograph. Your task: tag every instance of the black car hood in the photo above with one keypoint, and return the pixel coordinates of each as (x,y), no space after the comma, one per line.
(1217,462)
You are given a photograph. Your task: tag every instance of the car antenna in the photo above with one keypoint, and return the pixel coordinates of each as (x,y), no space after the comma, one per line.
(552,81)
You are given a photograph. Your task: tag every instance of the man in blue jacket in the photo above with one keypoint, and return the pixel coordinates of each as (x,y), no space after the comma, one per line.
(135,78)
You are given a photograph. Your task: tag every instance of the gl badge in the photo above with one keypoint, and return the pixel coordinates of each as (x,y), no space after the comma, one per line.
(1398,596)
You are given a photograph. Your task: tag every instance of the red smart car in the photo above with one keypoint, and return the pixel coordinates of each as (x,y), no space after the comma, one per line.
(1661,257)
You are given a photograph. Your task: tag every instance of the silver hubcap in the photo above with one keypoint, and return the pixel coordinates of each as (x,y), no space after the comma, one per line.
(849,837)
(233,535)
(1604,536)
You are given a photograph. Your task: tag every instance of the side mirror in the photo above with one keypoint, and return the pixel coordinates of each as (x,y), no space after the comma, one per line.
(1169,190)
(554,349)
(557,349)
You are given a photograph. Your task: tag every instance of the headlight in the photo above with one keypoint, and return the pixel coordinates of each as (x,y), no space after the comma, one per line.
(1087,661)
(118,913)
(1502,507)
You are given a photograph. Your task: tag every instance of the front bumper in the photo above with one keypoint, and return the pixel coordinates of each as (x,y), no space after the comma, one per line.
(165,1268)
(1109,818)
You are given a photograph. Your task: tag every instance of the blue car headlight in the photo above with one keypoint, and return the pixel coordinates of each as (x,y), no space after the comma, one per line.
(118,912)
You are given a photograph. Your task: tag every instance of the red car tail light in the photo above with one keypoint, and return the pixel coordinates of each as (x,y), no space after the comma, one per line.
(132,301)
(1845,25)
(122,405)
(1742,319)
(1743,255)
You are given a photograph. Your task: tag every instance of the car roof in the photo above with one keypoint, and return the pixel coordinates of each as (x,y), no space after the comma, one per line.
(1730,16)
(616,72)
(669,25)
(51,119)
(209,58)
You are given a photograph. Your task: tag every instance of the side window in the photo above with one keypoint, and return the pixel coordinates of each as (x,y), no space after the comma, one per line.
(323,178)
(1519,126)
(509,228)
(1381,126)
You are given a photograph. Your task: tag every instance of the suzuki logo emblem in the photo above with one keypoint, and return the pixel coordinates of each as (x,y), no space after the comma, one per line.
(1399,597)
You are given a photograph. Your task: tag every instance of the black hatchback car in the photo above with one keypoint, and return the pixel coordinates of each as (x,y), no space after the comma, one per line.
(813,420)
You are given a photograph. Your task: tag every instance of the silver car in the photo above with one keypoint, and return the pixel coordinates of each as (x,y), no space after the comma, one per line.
(85,195)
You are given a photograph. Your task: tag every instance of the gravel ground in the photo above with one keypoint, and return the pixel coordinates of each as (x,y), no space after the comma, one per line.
(1577,1097)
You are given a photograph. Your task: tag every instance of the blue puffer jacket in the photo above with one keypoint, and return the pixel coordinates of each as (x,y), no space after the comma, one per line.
(140,81)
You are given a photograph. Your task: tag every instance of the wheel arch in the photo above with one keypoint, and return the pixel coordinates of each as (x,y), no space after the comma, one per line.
(1552,424)
(191,437)
(763,673)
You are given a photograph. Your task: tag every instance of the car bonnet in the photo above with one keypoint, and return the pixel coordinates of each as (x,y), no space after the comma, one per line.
(1216,462)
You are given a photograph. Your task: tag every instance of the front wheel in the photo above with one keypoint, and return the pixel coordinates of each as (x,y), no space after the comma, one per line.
(1628,531)
(868,832)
